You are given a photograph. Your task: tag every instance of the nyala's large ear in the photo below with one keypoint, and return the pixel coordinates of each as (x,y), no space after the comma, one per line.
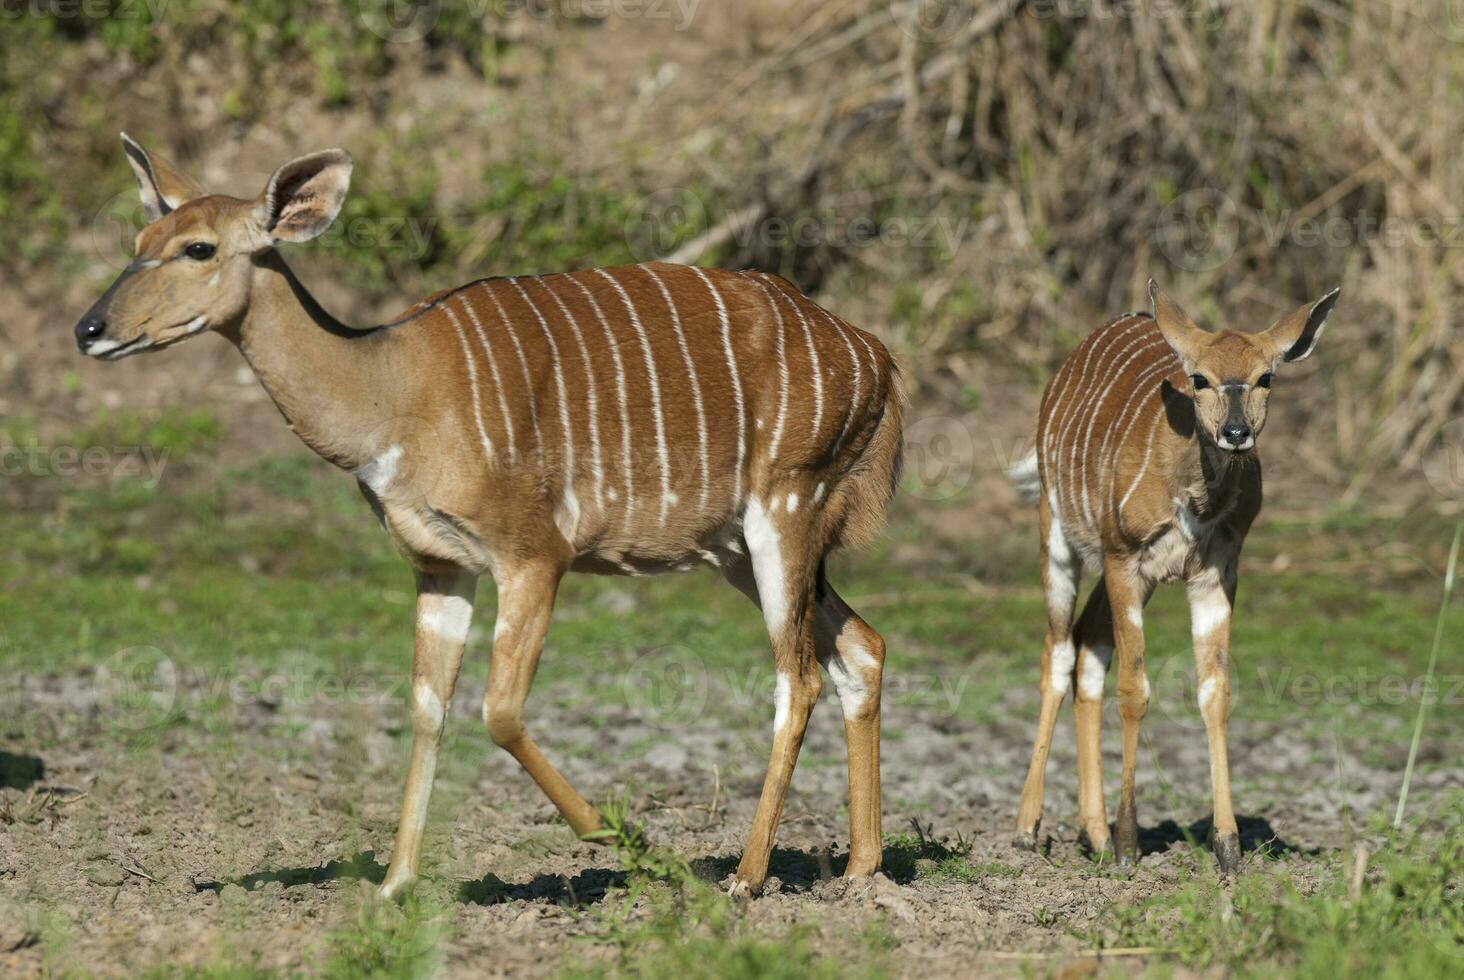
(1296,334)
(304,196)
(1183,335)
(161,185)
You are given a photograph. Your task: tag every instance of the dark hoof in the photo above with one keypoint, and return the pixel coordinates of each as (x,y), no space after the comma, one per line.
(1025,840)
(1227,853)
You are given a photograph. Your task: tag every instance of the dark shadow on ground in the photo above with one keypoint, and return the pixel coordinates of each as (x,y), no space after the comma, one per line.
(587,888)
(1256,835)
(360,867)
(20,771)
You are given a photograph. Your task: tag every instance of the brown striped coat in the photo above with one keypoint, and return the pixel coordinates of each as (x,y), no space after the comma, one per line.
(1145,468)
(639,419)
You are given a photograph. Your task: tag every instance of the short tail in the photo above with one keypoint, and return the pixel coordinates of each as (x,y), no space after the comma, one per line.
(1026,478)
(869,488)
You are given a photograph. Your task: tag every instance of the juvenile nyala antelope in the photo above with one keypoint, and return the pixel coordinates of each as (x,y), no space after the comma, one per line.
(1145,468)
(624,421)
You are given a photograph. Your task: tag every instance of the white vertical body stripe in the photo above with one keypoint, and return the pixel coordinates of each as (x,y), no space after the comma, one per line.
(558,382)
(782,375)
(1066,405)
(497,380)
(457,326)
(813,364)
(857,395)
(523,363)
(696,394)
(736,385)
(660,422)
(1088,509)
(1086,408)
(1075,398)
(620,391)
(596,460)
(1141,390)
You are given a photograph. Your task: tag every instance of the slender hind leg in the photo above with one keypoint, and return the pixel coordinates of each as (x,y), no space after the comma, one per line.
(525,601)
(853,653)
(444,612)
(784,566)
(1061,573)
(1126,595)
(1211,598)
(1094,640)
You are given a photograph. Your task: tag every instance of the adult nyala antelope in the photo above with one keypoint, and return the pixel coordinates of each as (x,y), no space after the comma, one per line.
(622,421)
(1145,466)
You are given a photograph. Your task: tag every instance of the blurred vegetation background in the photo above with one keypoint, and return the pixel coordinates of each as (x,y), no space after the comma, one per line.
(979,181)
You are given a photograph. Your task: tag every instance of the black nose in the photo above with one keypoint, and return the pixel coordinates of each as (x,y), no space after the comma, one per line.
(1236,433)
(89,330)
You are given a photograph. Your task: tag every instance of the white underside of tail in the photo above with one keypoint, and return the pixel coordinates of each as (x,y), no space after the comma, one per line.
(1024,476)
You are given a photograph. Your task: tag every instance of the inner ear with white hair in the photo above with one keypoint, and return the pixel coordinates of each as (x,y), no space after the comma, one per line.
(163,187)
(1295,335)
(1184,336)
(304,196)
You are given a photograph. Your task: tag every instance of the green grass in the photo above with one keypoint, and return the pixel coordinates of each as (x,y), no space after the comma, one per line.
(278,567)
(667,922)
(1401,919)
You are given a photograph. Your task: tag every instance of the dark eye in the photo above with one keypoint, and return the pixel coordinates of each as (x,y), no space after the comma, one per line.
(200,251)
(1199,381)
(1264,381)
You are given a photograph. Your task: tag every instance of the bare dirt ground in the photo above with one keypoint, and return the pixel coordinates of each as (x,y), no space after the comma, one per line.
(251,831)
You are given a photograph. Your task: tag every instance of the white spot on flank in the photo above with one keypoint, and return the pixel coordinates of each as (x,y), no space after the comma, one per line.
(782,701)
(818,492)
(1091,675)
(1207,692)
(427,705)
(448,617)
(767,565)
(379,473)
(1063,659)
(792,504)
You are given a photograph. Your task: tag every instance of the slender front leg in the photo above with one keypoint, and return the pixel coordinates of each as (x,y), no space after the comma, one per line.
(525,600)
(1061,572)
(853,654)
(1211,598)
(444,612)
(1126,595)
(1094,636)
(784,568)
